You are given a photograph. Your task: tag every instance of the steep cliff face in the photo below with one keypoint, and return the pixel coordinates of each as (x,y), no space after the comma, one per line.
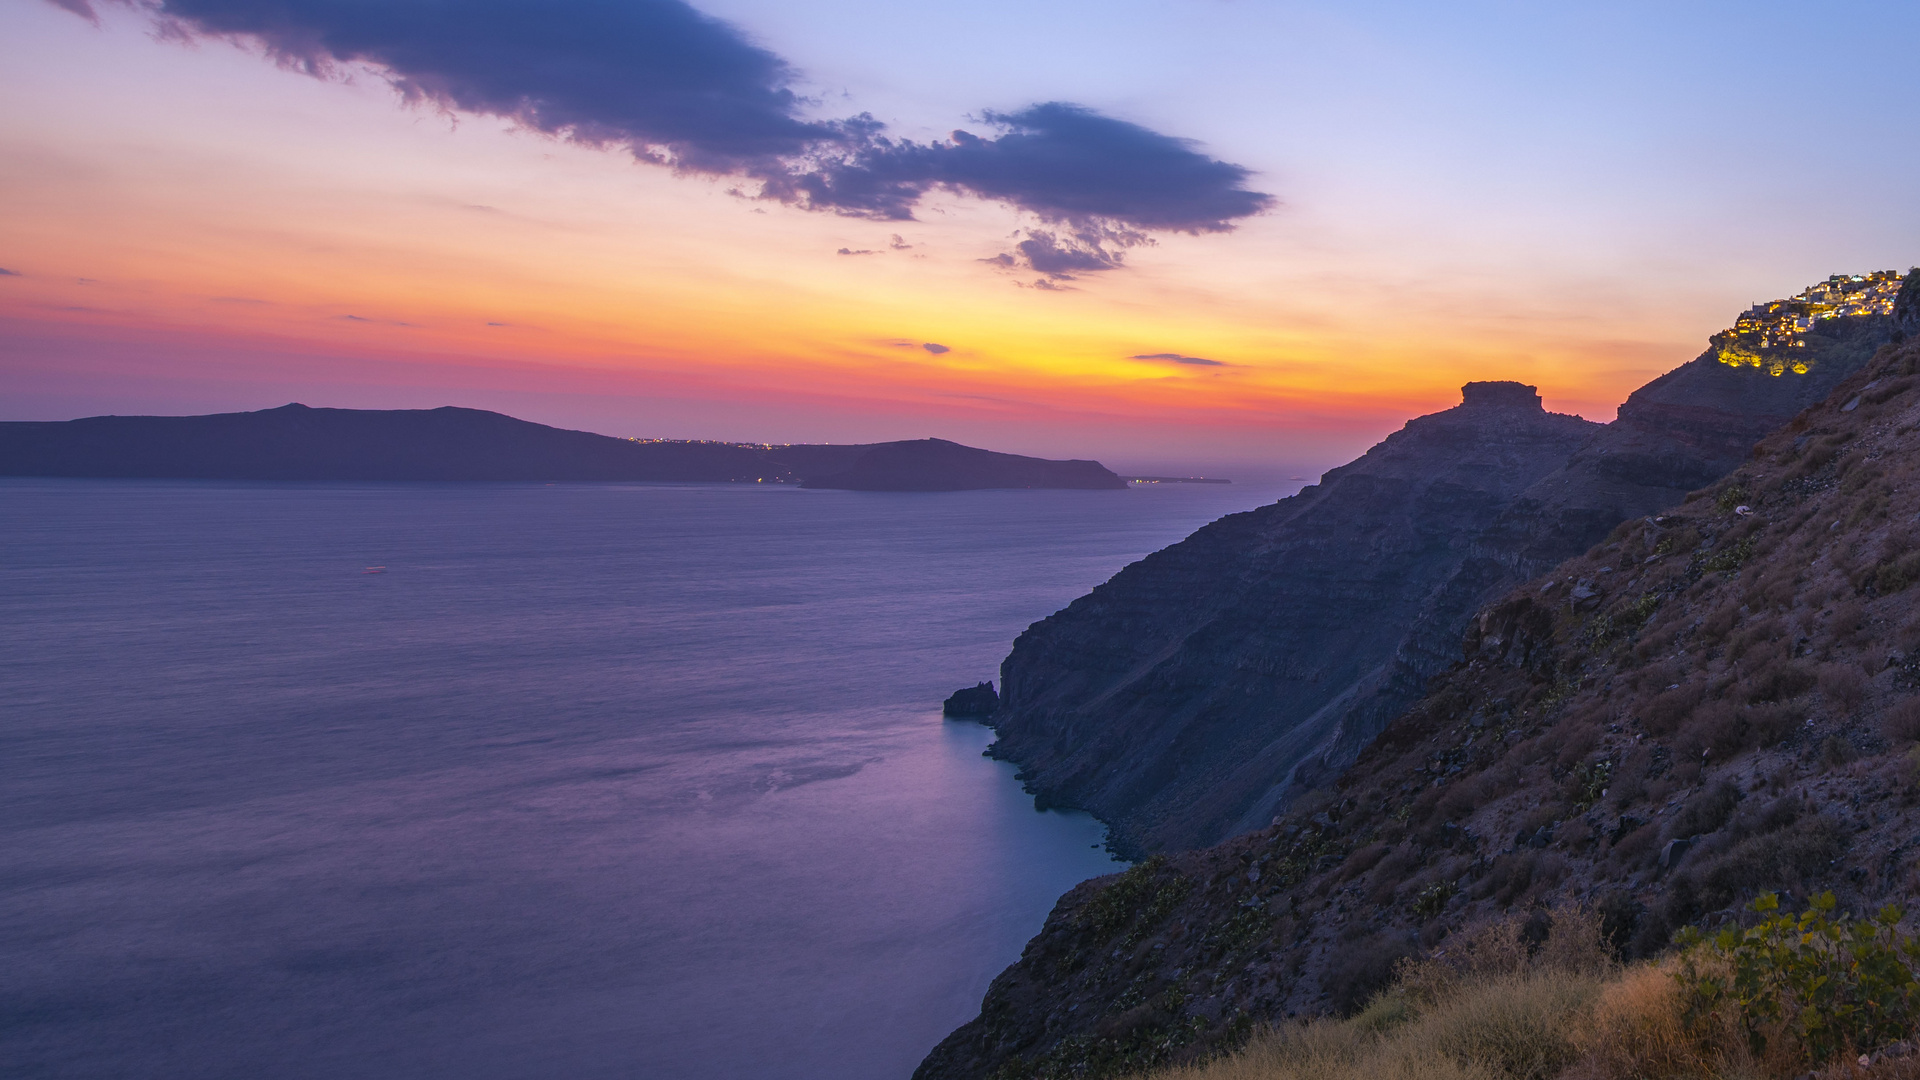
(1906,308)
(1170,699)
(1717,700)
(1199,691)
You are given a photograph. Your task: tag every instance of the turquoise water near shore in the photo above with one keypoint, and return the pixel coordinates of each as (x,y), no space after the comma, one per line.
(580,780)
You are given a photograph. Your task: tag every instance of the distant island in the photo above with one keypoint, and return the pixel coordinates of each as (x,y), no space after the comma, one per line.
(295,442)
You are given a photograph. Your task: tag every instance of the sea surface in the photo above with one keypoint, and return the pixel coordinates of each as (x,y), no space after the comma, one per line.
(522,781)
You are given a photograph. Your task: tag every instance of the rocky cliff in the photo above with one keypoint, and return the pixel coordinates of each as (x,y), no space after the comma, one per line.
(1201,689)
(1170,699)
(1717,700)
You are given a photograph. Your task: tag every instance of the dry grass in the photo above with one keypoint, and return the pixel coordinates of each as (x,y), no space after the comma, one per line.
(1500,1004)
(1325,1050)
(1637,1030)
(1502,1016)
(1503,1027)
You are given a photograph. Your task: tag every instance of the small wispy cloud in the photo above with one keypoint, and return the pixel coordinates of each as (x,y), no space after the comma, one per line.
(935,348)
(1176,358)
(80,8)
(371,322)
(4,272)
(856,251)
(898,243)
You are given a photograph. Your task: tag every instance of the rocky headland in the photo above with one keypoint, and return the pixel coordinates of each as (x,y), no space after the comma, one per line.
(1714,699)
(1199,691)
(1172,699)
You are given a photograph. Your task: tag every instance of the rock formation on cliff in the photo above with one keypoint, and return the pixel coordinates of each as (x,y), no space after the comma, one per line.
(1718,700)
(972,702)
(1201,689)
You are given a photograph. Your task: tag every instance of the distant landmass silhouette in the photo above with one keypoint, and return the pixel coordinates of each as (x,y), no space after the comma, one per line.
(939,465)
(295,442)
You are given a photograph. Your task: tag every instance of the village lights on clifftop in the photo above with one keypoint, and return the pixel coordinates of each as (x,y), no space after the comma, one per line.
(1772,325)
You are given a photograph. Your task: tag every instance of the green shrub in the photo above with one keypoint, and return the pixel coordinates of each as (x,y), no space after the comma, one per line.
(1590,781)
(1432,900)
(1833,985)
(1733,558)
(1141,897)
(1896,574)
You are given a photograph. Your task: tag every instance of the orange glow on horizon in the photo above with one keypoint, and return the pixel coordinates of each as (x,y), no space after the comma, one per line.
(472,257)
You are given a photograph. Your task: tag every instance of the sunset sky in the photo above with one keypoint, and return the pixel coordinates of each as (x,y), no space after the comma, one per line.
(1195,233)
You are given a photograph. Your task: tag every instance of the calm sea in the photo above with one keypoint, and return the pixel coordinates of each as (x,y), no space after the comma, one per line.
(586,781)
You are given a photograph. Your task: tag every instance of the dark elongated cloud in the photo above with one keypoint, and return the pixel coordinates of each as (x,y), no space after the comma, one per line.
(1176,358)
(654,75)
(680,88)
(1067,163)
(1063,162)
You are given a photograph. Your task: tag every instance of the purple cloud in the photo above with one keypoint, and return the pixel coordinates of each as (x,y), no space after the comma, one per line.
(679,88)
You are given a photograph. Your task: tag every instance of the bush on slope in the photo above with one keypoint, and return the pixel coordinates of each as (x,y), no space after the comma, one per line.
(1774,999)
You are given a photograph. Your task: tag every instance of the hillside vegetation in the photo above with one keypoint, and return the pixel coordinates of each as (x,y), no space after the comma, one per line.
(1501,1002)
(1716,703)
